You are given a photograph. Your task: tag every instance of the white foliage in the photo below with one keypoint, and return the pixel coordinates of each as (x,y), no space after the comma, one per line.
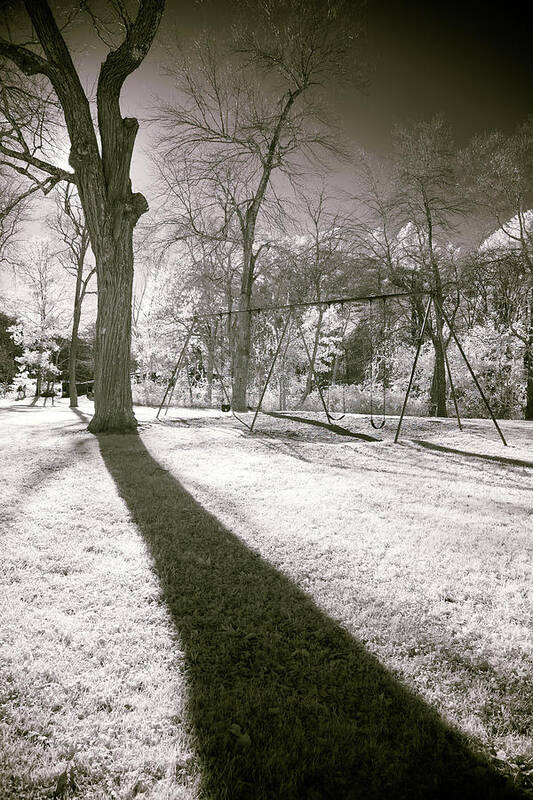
(510,234)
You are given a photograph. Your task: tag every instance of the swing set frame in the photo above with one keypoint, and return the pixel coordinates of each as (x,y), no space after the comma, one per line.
(291,307)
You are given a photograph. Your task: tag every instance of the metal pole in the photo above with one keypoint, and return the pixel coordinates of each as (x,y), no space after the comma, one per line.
(271,370)
(420,340)
(473,374)
(171,382)
(314,374)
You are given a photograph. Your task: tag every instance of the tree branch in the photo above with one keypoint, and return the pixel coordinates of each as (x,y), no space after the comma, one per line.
(56,172)
(27,61)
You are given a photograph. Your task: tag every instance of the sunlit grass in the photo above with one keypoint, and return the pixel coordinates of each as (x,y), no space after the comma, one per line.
(149,652)
(90,670)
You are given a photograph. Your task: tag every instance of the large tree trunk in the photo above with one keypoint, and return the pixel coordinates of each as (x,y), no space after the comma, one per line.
(73,354)
(210,372)
(241,364)
(112,379)
(528,361)
(438,382)
(241,367)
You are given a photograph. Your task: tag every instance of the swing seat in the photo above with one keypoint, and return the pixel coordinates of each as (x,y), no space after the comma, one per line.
(225,407)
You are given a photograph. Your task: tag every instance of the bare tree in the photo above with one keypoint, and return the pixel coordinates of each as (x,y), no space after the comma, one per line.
(69,223)
(244,124)
(100,169)
(318,261)
(29,124)
(14,205)
(498,174)
(42,313)
(428,199)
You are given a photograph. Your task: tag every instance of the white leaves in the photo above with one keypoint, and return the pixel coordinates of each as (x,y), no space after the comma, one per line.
(512,235)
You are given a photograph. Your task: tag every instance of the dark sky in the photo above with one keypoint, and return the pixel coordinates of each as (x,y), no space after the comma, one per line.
(467,60)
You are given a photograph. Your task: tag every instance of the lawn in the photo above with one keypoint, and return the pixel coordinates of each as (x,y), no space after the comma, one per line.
(201,613)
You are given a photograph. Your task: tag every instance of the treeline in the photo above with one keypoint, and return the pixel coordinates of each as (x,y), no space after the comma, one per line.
(244,214)
(432,218)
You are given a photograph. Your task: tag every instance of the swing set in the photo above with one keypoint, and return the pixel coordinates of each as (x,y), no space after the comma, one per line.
(377,419)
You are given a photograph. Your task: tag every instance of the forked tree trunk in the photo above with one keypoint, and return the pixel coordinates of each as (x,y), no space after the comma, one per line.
(244,322)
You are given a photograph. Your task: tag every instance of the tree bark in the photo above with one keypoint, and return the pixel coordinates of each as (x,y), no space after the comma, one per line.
(528,361)
(73,354)
(242,358)
(210,371)
(79,294)
(438,383)
(241,366)
(112,376)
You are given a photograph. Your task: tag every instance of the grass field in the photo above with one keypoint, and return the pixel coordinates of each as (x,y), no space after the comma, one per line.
(200,613)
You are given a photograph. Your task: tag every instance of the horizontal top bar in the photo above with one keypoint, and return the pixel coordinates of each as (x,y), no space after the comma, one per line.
(332,301)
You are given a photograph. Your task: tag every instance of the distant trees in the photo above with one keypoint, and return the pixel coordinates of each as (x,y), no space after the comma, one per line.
(241,125)
(28,122)
(8,352)
(100,168)
(238,226)
(498,175)
(409,214)
(14,204)
(42,316)
(69,223)
(428,203)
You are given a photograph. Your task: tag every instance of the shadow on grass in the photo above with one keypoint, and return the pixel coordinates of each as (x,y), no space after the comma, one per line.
(19,409)
(517,462)
(81,414)
(283,703)
(338,429)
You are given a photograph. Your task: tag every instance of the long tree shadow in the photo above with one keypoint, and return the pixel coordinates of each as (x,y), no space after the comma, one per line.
(517,462)
(283,703)
(338,429)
